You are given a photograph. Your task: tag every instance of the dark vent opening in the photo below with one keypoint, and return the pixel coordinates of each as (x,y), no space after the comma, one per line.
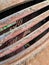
(24,47)
(18,8)
(16,38)
(24,20)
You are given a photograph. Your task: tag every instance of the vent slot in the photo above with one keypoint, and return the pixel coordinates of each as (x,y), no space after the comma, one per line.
(22,48)
(18,8)
(23,20)
(13,40)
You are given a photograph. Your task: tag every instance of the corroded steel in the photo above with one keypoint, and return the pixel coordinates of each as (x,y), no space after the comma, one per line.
(18,15)
(25,40)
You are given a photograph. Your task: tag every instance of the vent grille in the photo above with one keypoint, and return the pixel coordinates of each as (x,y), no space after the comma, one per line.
(23,29)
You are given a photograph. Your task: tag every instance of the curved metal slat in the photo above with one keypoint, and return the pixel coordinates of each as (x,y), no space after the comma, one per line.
(9,3)
(18,15)
(25,54)
(24,40)
(22,28)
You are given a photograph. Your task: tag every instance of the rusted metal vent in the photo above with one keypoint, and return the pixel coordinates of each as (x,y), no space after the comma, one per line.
(23,31)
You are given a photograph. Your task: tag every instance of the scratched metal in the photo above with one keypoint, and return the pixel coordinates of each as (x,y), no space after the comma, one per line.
(24,54)
(24,40)
(18,15)
(23,27)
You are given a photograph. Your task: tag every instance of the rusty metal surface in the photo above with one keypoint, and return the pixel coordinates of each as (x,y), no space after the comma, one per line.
(24,40)
(18,15)
(9,3)
(22,28)
(25,54)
